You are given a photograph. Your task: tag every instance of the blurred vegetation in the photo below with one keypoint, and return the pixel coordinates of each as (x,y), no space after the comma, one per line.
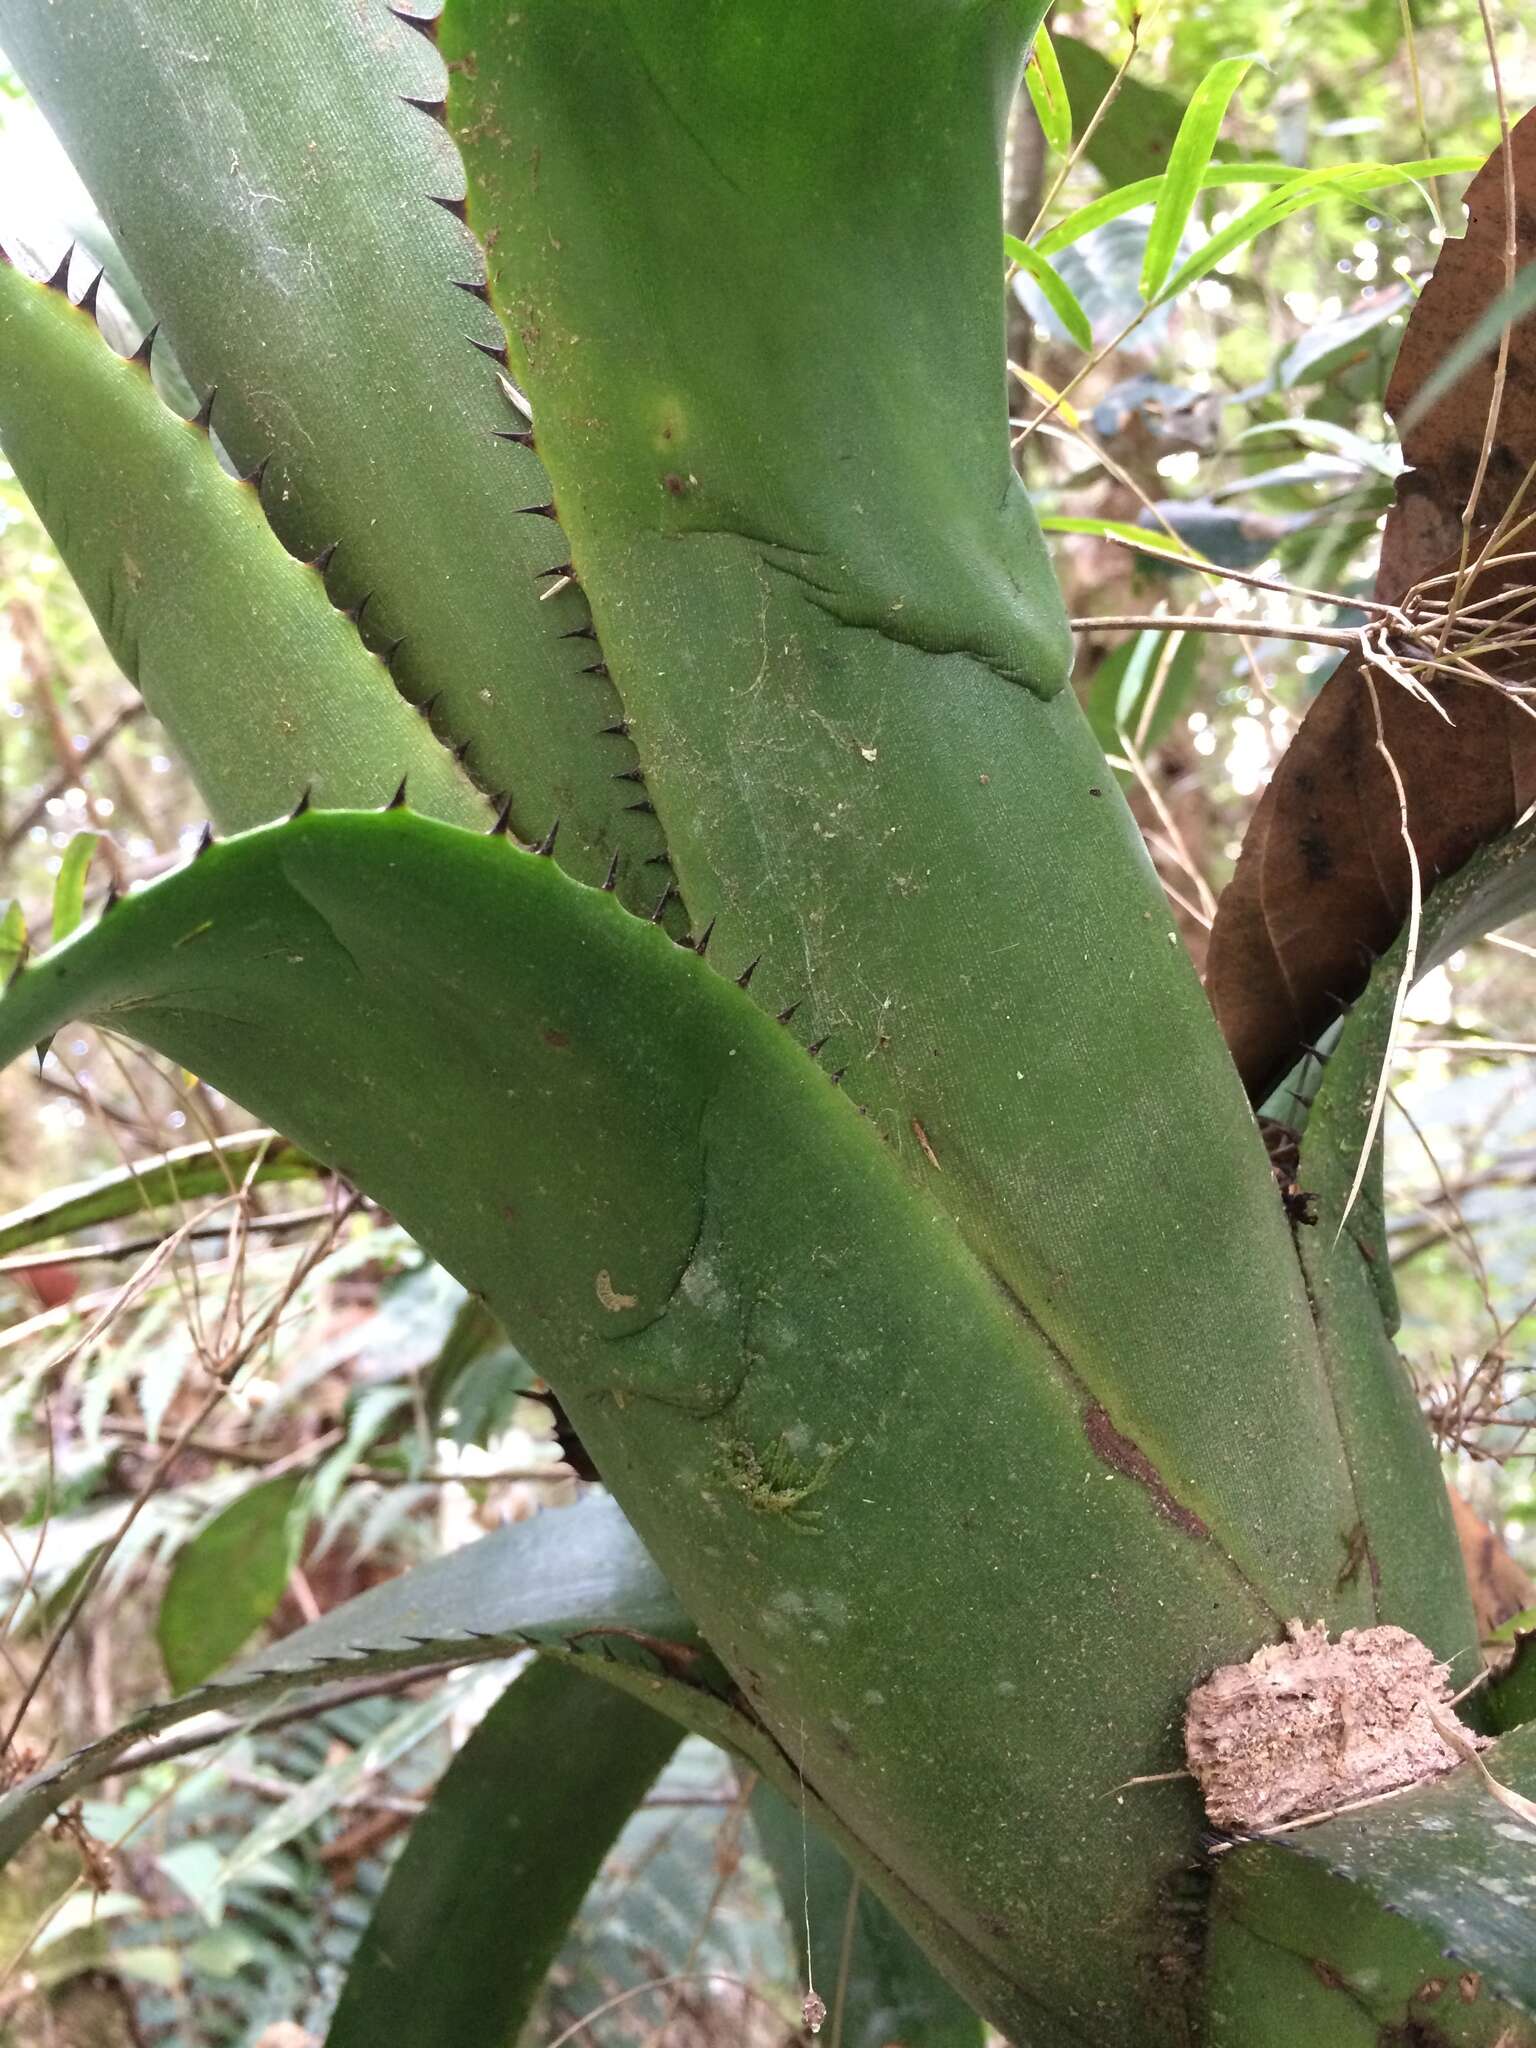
(287,1338)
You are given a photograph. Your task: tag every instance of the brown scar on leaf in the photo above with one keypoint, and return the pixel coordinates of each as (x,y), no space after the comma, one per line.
(676,1659)
(1129,1459)
(610,1297)
(1357,1552)
(929,1154)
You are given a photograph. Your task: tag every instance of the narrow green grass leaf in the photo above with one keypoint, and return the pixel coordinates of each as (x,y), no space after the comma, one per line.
(1059,295)
(186,1174)
(13,938)
(227,1580)
(1187,166)
(495,1870)
(69,887)
(1305,188)
(1219,177)
(1152,538)
(1048,93)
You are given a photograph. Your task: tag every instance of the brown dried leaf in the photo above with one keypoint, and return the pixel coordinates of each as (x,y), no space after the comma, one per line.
(1322,885)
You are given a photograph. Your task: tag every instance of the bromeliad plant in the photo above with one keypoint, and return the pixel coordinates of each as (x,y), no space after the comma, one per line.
(707,922)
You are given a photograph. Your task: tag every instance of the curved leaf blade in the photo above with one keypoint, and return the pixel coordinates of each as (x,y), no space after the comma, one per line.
(671,1172)
(191,1171)
(280,215)
(1059,295)
(228,1578)
(265,688)
(1187,165)
(495,1870)
(540,1582)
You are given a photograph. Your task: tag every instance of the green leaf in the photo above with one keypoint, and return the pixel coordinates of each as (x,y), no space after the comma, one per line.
(878,1985)
(1059,295)
(227,1580)
(1140,687)
(1305,188)
(1447,1858)
(495,1870)
(538,1581)
(263,685)
(13,939)
(1187,165)
(1048,93)
(283,224)
(333,1786)
(1349,1283)
(216,1167)
(1151,539)
(1218,177)
(698,1177)
(949,751)
(69,886)
(1295,1954)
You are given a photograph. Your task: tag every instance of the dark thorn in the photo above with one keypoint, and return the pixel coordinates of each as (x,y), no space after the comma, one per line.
(618,731)
(506,434)
(814,1048)
(461,751)
(110,901)
(546,845)
(701,943)
(612,875)
(87,299)
(746,974)
(43,1047)
(545,511)
(204,841)
(836,1079)
(644,805)
(597,668)
(323,560)
(1316,1052)
(19,964)
(663,902)
(59,282)
(658,860)
(256,475)
(785,1015)
(397,801)
(428,705)
(586,632)
(481,291)
(435,110)
(629,775)
(496,350)
(503,824)
(459,208)
(204,412)
(303,803)
(387,654)
(146,347)
(424,24)
(552,575)
(354,612)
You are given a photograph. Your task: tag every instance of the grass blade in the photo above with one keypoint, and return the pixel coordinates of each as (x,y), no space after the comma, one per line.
(1187,166)
(1048,93)
(1058,294)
